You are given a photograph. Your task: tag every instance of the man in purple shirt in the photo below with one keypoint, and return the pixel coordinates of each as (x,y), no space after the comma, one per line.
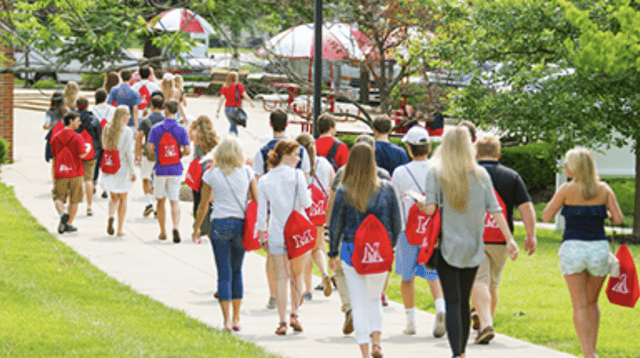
(170,142)
(125,95)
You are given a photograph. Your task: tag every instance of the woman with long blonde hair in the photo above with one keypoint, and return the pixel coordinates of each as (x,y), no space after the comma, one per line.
(360,194)
(585,202)
(232,88)
(284,188)
(227,185)
(465,193)
(71,93)
(118,136)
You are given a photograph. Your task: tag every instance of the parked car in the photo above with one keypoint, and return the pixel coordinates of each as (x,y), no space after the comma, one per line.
(47,64)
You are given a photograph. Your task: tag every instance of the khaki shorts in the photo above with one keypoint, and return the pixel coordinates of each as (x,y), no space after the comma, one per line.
(146,168)
(495,258)
(167,186)
(68,187)
(89,168)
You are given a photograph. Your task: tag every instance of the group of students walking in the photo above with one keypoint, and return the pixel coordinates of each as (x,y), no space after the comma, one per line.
(360,201)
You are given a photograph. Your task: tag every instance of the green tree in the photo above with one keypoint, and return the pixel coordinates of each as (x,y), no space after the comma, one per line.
(552,85)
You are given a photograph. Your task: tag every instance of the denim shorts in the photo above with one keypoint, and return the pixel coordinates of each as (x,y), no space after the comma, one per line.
(407,261)
(577,256)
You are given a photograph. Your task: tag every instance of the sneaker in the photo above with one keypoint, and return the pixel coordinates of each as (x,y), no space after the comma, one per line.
(271,304)
(327,286)
(62,226)
(485,336)
(320,287)
(70,228)
(176,236)
(410,330)
(89,212)
(147,210)
(385,300)
(440,327)
(475,318)
(347,327)
(308,296)
(104,195)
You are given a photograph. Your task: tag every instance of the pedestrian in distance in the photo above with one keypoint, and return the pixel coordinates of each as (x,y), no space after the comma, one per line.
(118,136)
(406,179)
(68,149)
(327,145)
(71,92)
(111,80)
(181,116)
(511,192)
(53,117)
(585,202)
(362,193)
(231,95)
(170,142)
(465,193)
(227,186)
(284,188)
(145,158)
(204,139)
(91,132)
(321,176)
(123,94)
(144,87)
(104,113)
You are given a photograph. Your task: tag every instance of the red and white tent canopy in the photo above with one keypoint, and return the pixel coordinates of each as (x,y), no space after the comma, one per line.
(181,19)
(339,42)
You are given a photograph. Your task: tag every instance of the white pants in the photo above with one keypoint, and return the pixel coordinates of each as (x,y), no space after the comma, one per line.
(366,302)
(167,186)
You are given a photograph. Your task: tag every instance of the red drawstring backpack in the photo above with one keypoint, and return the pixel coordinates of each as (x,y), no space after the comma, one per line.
(624,290)
(193,179)
(430,241)
(318,209)
(88,142)
(492,232)
(168,150)
(299,232)
(64,166)
(110,161)
(250,237)
(372,250)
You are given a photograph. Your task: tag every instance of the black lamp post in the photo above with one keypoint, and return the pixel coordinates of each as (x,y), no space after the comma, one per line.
(317,66)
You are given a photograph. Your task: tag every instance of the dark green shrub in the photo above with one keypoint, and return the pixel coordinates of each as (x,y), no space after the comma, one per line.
(92,81)
(4,149)
(535,162)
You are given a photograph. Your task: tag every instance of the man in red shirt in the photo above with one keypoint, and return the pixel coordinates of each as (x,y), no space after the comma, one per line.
(328,146)
(68,148)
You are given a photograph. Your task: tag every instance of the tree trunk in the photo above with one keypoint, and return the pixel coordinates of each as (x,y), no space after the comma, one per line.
(364,85)
(636,210)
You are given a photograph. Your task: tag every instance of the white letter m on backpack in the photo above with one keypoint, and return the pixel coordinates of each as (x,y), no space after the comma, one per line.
(372,253)
(422,224)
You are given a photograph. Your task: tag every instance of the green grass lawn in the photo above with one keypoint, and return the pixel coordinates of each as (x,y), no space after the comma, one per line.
(535,305)
(56,304)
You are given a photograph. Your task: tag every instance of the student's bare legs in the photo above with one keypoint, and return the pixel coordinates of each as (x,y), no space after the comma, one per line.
(122,212)
(281,267)
(161,211)
(88,191)
(585,290)
(175,213)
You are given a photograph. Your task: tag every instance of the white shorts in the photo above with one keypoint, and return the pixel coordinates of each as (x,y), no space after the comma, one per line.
(166,186)
(146,168)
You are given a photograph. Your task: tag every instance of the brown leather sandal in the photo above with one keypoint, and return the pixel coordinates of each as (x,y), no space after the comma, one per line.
(295,323)
(282,329)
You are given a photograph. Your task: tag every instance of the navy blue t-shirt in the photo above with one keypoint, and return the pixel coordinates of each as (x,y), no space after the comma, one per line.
(390,156)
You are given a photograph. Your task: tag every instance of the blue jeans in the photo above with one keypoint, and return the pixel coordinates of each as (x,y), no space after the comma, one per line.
(226,240)
(229,112)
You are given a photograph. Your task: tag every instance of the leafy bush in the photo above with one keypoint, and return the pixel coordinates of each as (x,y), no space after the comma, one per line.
(535,162)
(4,149)
(625,190)
(46,83)
(92,81)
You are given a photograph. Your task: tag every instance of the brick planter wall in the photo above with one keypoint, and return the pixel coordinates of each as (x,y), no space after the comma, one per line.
(6,100)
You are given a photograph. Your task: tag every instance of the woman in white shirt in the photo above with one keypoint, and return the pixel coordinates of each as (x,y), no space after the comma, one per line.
(283,189)
(227,185)
(321,175)
(104,112)
(117,135)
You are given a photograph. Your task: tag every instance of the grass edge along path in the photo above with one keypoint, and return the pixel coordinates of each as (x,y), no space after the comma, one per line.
(56,304)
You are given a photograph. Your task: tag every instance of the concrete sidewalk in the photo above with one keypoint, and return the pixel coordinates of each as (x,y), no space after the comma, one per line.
(183,276)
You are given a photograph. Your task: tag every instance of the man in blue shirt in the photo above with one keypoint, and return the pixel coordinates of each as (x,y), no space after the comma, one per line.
(144,159)
(170,142)
(388,155)
(125,95)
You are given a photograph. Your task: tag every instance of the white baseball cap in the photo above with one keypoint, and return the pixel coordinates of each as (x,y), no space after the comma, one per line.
(168,77)
(416,135)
